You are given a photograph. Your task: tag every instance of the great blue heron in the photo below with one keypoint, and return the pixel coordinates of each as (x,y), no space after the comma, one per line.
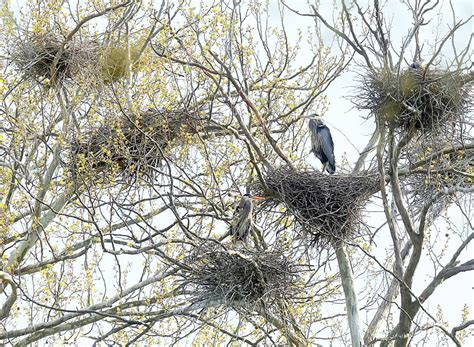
(416,65)
(243,217)
(321,143)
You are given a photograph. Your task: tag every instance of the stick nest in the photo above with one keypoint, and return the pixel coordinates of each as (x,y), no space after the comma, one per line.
(327,206)
(240,277)
(34,54)
(130,147)
(416,98)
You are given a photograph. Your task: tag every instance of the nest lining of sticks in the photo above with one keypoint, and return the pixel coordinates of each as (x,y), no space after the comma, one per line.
(129,147)
(328,207)
(240,277)
(416,98)
(34,54)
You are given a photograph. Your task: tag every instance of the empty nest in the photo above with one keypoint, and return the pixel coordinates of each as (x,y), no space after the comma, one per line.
(416,98)
(240,277)
(327,206)
(35,54)
(130,147)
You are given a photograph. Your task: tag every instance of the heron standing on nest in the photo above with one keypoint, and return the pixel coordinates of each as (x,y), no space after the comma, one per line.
(321,143)
(242,222)
(416,65)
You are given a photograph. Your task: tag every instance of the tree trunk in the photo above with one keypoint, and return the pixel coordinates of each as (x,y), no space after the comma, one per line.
(350,295)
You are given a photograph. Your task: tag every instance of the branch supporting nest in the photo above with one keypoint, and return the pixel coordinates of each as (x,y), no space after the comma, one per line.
(240,277)
(439,180)
(416,98)
(129,147)
(328,207)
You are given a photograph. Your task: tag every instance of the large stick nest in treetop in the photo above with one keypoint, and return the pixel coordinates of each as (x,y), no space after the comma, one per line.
(240,277)
(416,98)
(327,206)
(34,54)
(127,147)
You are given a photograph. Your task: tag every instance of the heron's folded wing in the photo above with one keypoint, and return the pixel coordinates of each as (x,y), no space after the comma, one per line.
(327,144)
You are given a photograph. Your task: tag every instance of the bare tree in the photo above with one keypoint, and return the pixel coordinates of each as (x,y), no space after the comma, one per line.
(410,114)
(130,131)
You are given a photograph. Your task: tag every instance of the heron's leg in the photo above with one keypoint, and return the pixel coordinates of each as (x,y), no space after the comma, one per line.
(258,238)
(324,166)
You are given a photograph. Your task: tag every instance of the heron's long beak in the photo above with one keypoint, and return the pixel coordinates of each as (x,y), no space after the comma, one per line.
(259,198)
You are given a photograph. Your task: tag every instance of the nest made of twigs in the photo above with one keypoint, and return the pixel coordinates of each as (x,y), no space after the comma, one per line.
(129,146)
(327,206)
(416,98)
(240,277)
(34,54)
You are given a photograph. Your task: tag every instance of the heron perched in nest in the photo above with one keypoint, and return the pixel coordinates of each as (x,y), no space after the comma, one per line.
(416,65)
(243,217)
(321,143)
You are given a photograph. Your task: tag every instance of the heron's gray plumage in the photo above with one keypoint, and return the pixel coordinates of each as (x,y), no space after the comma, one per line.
(322,144)
(242,222)
(416,65)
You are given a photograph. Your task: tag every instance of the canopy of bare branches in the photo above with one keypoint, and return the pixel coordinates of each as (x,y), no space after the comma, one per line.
(441,173)
(134,134)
